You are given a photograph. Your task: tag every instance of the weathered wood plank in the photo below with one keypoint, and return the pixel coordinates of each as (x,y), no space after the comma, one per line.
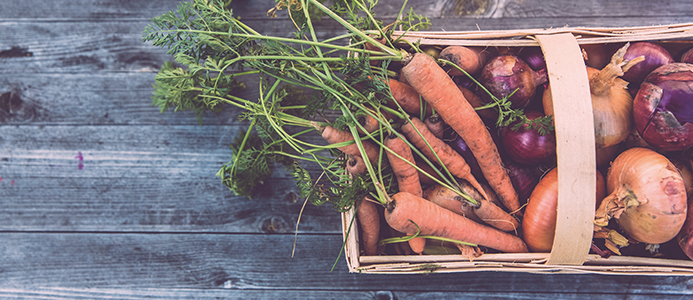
(98,99)
(263,262)
(138,178)
(94,10)
(64,45)
(177,293)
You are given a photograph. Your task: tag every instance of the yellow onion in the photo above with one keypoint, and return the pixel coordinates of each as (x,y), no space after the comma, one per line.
(647,197)
(612,104)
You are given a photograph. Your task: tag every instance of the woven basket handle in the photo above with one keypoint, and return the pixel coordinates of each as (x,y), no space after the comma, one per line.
(572,106)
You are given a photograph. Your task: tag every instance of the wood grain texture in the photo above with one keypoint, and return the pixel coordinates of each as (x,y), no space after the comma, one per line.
(145,217)
(261,262)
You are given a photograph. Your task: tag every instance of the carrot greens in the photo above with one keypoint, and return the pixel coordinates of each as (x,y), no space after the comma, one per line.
(303,79)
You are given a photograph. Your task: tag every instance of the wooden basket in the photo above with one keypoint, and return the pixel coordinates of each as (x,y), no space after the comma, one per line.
(575,157)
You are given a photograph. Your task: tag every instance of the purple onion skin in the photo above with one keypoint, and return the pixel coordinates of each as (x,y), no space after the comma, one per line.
(655,56)
(460,146)
(534,58)
(663,108)
(505,73)
(527,146)
(523,177)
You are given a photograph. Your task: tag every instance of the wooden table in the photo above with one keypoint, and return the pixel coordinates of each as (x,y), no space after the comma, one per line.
(104,197)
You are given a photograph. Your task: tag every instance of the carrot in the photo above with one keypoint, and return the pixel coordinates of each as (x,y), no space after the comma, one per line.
(404,212)
(355,164)
(369,222)
(486,212)
(470,59)
(333,136)
(407,176)
(368,122)
(435,124)
(487,114)
(406,97)
(438,89)
(452,160)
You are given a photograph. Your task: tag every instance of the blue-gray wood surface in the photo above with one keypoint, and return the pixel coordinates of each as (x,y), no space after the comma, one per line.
(103,197)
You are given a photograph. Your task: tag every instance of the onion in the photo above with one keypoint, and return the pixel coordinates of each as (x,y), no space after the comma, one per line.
(687,57)
(607,154)
(611,103)
(528,146)
(647,197)
(539,221)
(596,55)
(655,56)
(534,57)
(460,146)
(663,107)
(523,177)
(504,74)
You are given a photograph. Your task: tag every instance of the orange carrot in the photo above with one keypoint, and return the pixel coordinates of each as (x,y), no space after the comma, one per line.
(369,223)
(452,160)
(487,114)
(368,122)
(407,176)
(333,136)
(405,212)
(438,89)
(355,164)
(486,212)
(407,98)
(470,59)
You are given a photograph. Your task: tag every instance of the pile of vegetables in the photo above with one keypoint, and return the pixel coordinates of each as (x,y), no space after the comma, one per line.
(435,147)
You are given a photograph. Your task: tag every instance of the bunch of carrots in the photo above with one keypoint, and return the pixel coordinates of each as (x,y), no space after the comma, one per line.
(389,112)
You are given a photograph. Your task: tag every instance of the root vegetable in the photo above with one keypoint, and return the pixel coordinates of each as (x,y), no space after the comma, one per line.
(647,197)
(405,212)
(441,92)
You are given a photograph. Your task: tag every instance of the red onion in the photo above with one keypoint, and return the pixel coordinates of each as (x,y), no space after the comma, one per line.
(528,146)
(460,146)
(655,56)
(663,107)
(534,57)
(596,55)
(504,74)
(523,177)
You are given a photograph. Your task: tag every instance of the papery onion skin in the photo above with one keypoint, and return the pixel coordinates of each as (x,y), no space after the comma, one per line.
(647,196)
(613,111)
(539,221)
(655,56)
(527,146)
(506,73)
(663,107)
(612,107)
